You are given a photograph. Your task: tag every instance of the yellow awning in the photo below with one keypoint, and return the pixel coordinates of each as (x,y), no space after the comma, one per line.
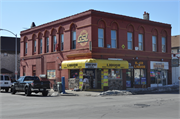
(95,63)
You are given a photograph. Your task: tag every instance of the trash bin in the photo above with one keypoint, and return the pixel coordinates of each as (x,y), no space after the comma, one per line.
(59,86)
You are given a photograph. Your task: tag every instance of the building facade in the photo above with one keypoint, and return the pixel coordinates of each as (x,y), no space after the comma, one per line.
(175,50)
(8,56)
(98,37)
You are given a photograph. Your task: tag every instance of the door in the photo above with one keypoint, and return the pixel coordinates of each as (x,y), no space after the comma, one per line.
(129,78)
(91,75)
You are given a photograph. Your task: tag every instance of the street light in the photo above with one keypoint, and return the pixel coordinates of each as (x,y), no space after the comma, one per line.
(15,51)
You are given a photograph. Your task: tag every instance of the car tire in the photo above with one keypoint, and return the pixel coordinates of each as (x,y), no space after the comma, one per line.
(27,91)
(13,91)
(7,89)
(45,93)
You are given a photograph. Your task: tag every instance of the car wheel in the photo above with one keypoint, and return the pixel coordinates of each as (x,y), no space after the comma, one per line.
(13,91)
(45,93)
(27,91)
(7,89)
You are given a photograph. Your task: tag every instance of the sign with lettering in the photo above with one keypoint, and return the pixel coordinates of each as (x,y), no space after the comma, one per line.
(90,65)
(175,62)
(159,65)
(83,38)
(139,65)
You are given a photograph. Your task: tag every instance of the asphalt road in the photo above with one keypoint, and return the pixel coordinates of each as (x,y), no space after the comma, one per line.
(149,106)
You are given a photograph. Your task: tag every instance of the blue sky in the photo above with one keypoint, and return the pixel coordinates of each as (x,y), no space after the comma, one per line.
(17,15)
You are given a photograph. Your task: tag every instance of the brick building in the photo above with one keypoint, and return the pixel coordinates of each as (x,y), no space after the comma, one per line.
(8,55)
(118,51)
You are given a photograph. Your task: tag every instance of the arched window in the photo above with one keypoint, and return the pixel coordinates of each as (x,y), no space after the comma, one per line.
(154,40)
(40,43)
(54,44)
(34,44)
(73,36)
(101,39)
(25,45)
(46,35)
(130,37)
(61,32)
(141,39)
(114,31)
(164,40)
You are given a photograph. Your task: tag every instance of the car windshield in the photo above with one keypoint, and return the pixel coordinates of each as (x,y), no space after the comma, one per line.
(1,77)
(31,79)
(6,78)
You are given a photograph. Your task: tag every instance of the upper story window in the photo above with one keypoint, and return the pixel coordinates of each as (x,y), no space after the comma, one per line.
(129,40)
(113,39)
(163,44)
(26,46)
(62,42)
(47,44)
(54,43)
(100,37)
(73,39)
(140,39)
(154,44)
(40,46)
(34,46)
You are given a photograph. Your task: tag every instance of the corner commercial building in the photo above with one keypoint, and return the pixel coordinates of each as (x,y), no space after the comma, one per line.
(118,51)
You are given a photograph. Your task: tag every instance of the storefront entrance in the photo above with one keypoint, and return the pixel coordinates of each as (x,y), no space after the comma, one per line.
(158,78)
(129,78)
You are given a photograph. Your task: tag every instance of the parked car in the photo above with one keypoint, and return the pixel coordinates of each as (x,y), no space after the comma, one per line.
(5,82)
(29,84)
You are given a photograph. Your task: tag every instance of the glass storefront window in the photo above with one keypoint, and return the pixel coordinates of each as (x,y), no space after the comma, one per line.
(114,74)
(158,77)
(74,73)
(139,76)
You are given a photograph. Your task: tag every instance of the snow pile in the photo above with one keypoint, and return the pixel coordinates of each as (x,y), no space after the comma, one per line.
(115,92)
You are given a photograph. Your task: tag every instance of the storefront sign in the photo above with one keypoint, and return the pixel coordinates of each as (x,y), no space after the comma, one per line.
(90,65)
(42,75)
(175,62)
(139,65)
(159,65)
(83,38)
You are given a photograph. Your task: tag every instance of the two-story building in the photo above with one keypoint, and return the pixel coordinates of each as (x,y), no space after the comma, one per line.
(118,51)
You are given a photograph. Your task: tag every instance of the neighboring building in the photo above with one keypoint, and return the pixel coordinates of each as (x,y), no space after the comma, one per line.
(139,50)
(175,50)
(8,55)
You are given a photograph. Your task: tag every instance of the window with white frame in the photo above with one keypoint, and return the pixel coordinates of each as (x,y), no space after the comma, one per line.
(163,44)
(54,43)
(129,40)
(62,42)
(100,37)
(113,39)
(40,46)
(47,44)
(34,46)
(154,44)
(73,39)
(140,38)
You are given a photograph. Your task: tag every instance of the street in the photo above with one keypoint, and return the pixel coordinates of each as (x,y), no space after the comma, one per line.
(148,106)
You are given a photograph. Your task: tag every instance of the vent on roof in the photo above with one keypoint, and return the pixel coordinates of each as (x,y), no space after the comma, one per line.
(33,25)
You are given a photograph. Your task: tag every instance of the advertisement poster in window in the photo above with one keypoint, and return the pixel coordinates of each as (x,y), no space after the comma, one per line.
(137,80)
(128,83)
(143,80)
(51,74)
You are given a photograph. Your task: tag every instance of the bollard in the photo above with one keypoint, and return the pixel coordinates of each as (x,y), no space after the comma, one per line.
(63,84)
